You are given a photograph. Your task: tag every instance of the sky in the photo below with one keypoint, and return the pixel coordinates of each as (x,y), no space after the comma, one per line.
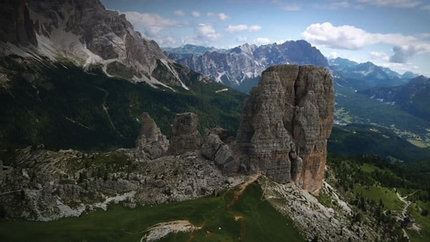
(389,33)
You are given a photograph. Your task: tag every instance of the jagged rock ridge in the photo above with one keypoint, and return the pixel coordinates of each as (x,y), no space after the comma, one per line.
(242,65)
(286,123)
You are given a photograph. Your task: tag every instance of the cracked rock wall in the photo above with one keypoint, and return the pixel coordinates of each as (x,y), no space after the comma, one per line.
(286,123)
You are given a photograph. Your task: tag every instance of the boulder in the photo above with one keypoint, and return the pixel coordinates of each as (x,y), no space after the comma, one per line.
(214,148)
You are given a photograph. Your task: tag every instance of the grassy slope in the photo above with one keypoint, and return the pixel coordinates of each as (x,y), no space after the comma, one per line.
(259,222)
(371,182)
(361,109)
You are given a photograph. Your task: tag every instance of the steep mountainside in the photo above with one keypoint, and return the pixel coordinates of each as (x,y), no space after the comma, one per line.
(62,106)
(413,97)
(87,34)
(365,75)
(241,67)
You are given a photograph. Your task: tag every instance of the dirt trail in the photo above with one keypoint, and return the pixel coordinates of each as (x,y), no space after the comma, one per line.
(407,203)
(237,194)
(242,188)
(161,230)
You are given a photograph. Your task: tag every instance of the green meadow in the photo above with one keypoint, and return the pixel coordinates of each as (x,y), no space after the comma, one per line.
(221,218)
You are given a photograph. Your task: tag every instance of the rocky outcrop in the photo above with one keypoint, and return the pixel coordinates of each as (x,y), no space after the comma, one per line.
(286,123)
(47,185)
(184,135)
(151,142)
(215,149)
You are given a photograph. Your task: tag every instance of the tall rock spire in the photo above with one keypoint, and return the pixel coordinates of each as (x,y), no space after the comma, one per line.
(286,123)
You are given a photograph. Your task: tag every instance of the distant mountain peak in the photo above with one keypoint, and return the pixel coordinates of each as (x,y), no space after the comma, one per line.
(241,66)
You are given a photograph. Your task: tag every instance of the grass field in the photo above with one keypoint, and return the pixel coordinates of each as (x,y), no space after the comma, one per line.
(376,193)
(221,219)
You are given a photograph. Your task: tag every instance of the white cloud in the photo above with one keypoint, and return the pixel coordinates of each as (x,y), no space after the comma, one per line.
(206,32)
(402,53)
(254,28)
(151,23)
(352,38)
(236,28)
(179,13)
(379,55)
(349,37)
(261,41)
(223,16)
(290,7)
(195,14)
(242,27)
(393,3)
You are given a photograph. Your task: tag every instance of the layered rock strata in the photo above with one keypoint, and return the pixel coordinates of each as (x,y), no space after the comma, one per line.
(286,123)
(215,148)
(184,135)
(151,141)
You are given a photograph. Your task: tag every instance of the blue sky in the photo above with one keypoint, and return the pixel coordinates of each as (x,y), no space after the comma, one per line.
(390,33)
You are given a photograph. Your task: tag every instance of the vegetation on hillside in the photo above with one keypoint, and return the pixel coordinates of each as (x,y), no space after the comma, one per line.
(213,218)
(62,107)
(361,139)
(356,108)
(395,199)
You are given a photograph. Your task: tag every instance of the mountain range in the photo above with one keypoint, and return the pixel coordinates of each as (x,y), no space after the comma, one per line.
(241,66)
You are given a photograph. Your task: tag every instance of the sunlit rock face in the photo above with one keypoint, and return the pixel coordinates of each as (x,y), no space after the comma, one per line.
(286,123)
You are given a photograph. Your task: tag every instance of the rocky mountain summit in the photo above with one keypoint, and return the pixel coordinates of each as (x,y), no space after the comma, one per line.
(286,123)
(241,67)
(90,36)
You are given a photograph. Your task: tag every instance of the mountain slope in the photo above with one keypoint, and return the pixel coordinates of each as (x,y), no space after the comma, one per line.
(361,76)
(87,34)
(62,106)
(413,97)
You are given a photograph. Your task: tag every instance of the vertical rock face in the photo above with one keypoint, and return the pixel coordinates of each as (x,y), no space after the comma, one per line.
(286,123)
(16,25)
(184,135)
(151,141)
